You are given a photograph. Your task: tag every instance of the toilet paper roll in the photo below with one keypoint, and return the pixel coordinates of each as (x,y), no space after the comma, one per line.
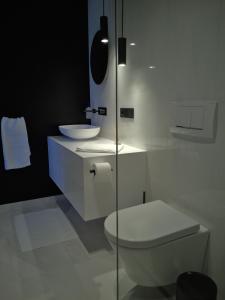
(103,189)
(88,113)
(103,172)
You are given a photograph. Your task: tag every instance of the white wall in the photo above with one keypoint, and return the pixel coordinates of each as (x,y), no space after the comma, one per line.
(185,40)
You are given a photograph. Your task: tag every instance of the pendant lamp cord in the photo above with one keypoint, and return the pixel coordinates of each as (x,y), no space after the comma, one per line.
(103,7)
(122,17)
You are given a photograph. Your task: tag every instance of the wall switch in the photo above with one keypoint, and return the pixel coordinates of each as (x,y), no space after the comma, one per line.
(102,111)
(127,113)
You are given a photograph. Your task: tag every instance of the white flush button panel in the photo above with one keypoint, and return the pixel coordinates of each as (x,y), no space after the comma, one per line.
(194,120)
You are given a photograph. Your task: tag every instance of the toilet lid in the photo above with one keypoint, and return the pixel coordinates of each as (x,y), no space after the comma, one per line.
(149,225)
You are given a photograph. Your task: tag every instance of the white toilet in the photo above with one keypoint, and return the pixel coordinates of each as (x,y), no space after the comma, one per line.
(157,242)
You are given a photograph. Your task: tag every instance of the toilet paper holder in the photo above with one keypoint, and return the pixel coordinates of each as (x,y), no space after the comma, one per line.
(92,171)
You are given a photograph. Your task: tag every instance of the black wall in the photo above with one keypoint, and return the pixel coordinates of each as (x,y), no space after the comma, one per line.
(43,77)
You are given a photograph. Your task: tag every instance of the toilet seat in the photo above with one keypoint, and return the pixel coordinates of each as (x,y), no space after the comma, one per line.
(149,225)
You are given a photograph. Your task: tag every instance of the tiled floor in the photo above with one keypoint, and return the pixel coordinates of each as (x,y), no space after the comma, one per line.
(47,252)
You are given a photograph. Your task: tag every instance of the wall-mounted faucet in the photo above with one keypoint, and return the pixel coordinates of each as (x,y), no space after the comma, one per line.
(91,110)
(101,110)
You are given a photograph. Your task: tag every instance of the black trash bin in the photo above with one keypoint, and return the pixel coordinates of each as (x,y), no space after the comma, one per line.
(195,286)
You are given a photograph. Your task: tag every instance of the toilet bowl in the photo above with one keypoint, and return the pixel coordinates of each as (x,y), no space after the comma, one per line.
(157,242)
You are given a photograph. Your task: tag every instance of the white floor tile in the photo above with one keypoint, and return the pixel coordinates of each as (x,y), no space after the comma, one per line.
(48,253)
(43,228)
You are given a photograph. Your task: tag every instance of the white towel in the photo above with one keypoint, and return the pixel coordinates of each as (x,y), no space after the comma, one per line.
(99,148)
(16,149)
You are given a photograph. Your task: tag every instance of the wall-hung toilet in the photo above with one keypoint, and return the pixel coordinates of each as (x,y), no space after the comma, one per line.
(157,242)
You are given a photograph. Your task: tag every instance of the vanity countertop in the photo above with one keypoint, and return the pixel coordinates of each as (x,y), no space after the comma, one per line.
(73,144)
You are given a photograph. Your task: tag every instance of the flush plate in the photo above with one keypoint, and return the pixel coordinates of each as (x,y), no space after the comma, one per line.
(194,120)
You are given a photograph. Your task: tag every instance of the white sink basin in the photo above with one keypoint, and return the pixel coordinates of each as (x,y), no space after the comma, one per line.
(79,132)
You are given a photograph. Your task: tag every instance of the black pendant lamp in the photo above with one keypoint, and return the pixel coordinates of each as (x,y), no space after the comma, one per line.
(104,26)
(122,46)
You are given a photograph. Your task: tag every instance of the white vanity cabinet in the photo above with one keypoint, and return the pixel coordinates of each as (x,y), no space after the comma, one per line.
(70,170)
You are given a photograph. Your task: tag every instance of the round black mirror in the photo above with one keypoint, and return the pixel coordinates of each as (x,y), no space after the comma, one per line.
(99,58)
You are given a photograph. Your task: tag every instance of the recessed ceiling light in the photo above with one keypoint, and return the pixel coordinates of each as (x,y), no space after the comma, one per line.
(152,67)
(132,44)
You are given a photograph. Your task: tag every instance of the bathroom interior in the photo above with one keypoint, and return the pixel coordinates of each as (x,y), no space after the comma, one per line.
(112,166)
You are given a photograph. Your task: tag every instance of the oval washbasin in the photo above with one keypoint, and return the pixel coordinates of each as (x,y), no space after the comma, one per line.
(79,132)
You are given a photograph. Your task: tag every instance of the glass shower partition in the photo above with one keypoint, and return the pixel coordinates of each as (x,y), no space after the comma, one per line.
(170,104)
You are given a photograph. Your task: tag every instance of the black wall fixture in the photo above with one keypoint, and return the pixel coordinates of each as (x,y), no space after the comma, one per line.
(99,58)
(122,43)
(104,25)
(45,78)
